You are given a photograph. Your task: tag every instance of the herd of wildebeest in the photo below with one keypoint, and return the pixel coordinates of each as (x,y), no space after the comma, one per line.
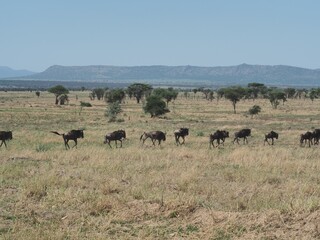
(310,138)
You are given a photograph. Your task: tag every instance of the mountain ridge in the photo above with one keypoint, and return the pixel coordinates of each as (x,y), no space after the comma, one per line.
(6,72)
(185,74)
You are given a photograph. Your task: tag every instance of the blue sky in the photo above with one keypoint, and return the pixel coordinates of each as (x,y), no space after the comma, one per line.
(36,34)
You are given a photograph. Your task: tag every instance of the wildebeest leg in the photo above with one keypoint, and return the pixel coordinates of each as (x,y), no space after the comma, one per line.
(120,143)
(66,144)
(75,143)
(177,139)
(144,139)
(109,143)
(183,140)
(272,141)
(3,142)
(159,140)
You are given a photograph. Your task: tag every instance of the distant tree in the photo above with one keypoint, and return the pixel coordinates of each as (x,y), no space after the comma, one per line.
(274,96)
(63,98)
(155,106)
(99,93)
(254,110)
(92,95)
(114,95)
(206,93)
(57,91)
(139,90)
(220,93)
(82,89)
(256,88)
(314,93)
(37,93)
(167,94)
(234,94)
(211,95)
(290,92)
(114,108)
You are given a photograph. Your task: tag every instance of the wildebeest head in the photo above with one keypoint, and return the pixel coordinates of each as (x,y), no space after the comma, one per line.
(9,135)
(184,131)
(225,133)
(6,135)
(122,132)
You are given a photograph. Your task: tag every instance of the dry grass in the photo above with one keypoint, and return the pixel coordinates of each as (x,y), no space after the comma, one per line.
(167,192)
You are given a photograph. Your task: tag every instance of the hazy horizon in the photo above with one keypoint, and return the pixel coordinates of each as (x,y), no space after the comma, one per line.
(38,34)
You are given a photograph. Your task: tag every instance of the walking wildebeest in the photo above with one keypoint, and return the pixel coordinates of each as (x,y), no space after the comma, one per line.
(5,136)
(118,135)
(306,137)
(316,136)
(219,135)
(72,135)
(271,135)
(244,133)
(154,136)
(182,132)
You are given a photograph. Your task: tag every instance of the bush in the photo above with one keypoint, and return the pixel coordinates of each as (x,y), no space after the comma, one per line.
(254,110)
(85,104)
(113,110)
(155,106)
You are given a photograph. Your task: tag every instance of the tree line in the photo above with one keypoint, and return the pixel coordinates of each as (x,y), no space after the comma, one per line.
(157,99)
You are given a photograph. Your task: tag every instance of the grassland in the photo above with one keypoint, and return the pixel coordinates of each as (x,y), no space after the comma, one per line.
(167,192)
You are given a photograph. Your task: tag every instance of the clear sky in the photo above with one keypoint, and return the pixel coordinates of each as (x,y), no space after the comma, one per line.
(36,34)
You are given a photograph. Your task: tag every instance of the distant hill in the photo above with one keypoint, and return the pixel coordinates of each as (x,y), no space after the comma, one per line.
(278,75)
(6,72)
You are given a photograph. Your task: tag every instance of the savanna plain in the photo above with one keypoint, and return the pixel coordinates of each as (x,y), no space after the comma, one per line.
(252,191)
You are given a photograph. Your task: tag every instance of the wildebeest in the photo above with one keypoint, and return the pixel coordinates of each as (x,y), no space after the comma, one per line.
(5,136)
(306,137)
(271,135)
(244,133)
(154,136)
(72,135)
(219,135)
(316,136)
(118,135)
(182,132)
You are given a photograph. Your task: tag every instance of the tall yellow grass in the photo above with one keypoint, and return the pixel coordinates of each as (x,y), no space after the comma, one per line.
(164,192)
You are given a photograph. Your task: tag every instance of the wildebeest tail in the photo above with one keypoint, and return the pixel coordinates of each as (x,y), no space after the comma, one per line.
(142,136)
(56,133)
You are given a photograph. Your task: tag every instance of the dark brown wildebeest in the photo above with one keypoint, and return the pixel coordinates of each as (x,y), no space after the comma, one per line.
(244,133)
(154,136)
(72,135)
(182,132)
(271,135)
(306,137)
(5,136)
(118,135)
(316,136)
(219,135)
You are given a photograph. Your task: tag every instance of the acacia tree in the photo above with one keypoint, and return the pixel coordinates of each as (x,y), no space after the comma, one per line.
(274,96)
(168,94)
(255,89)
(57,91)
(99,93)
(114,95)
(234,94)
(254,110)
(139,90)
(155,106)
